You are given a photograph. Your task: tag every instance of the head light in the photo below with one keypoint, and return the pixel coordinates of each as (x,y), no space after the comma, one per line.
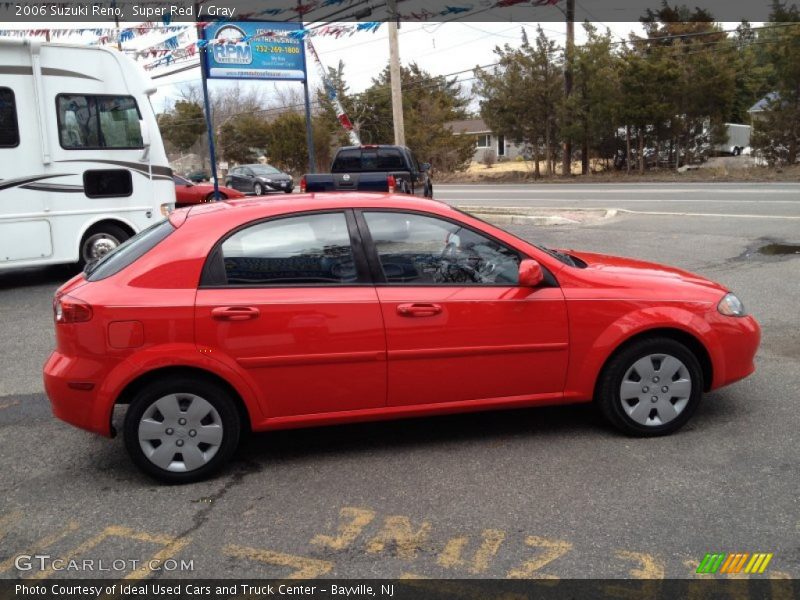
(731,306)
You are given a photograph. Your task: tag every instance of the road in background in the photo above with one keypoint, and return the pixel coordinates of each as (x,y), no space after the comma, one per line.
(759,199)
(526,493)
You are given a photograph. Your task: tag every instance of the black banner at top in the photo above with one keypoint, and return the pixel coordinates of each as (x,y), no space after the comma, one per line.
(174,11)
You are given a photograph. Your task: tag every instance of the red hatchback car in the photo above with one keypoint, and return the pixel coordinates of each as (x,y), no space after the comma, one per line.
(269,314)
(188,193)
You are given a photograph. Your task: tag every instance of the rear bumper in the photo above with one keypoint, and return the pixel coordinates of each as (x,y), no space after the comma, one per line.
(63,378)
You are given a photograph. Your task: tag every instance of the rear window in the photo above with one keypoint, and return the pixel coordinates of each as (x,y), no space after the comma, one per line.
(347,161)
(129,252)
(355,160)
(390,159)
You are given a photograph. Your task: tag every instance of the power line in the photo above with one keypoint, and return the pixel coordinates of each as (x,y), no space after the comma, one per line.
(418,85)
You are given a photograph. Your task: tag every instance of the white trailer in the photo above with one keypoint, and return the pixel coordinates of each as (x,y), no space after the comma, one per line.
(738,139)
(82,164)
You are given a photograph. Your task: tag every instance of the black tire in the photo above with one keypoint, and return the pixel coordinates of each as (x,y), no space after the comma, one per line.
(258,189)
(104,231)
(210,197)
(608,388)
(215,395)
(288,191)
(737,151)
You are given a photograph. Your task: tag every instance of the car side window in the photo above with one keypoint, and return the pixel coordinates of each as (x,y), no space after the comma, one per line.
(415,249)
(307,249)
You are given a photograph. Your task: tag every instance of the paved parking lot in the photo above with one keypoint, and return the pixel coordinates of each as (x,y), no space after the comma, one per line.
(525,493)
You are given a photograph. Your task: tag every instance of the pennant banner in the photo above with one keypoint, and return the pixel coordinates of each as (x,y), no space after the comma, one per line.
(333,96)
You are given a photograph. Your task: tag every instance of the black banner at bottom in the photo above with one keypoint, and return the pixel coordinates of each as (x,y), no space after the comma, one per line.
(399,589)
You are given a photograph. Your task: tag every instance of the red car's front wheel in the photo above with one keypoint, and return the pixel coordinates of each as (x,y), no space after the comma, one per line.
(651,387)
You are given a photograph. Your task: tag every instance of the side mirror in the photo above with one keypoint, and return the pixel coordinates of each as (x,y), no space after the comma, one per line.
(425,167)
(145,132)
(530,273)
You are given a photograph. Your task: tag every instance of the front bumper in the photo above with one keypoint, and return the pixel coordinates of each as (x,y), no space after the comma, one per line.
(65,380)
(737,341)
(280,186)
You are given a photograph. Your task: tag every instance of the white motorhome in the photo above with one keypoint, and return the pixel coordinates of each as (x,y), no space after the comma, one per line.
(82,165)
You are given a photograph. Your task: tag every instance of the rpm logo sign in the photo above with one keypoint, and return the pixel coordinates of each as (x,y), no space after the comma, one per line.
(229,48)
(254,50)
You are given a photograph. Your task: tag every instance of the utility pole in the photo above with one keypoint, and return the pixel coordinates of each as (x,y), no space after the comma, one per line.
(566,165)
(116,24)
(394,72)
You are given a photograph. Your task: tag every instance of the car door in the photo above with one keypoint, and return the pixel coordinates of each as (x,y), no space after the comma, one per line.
(290,301)
(231,179)
(458,327)
(248,180)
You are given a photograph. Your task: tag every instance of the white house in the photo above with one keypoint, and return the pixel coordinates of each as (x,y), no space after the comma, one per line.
(487,140)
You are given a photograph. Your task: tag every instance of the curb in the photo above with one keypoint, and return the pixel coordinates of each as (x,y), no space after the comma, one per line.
(520,215)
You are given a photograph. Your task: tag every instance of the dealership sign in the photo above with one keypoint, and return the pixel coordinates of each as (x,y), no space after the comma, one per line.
(254,50)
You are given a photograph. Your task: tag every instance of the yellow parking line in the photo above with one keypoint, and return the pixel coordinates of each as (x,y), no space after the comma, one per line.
(9,519)
(453,554)
(348,531)
(41,545)
(398,530)
(553,549)
(173,545)
(304,567)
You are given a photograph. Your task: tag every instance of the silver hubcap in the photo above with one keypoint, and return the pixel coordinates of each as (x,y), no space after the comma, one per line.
(98,246)
(180,432)
(258,189)
(655,389)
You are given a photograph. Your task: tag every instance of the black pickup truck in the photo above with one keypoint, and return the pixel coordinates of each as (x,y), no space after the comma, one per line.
(379,168)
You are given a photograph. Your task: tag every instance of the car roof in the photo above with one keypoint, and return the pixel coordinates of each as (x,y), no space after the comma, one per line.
(373,146)
(266,206)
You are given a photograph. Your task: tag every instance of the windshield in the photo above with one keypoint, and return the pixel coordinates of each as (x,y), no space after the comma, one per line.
(567,259)
(265,170)
(180,180)
(128,252)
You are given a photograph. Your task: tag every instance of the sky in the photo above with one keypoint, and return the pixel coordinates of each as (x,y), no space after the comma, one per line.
(439,48)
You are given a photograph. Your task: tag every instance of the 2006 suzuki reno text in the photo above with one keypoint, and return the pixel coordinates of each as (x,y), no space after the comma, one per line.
(271,314)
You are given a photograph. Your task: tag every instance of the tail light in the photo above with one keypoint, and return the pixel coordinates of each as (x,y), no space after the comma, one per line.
(303,184)
(391,183)
(166,209)
(71,310)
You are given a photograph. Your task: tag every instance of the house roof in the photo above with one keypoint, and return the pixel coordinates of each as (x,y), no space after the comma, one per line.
(762,104)
(469,126)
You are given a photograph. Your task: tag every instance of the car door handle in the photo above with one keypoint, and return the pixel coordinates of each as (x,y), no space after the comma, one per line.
(418,310)
(234,313)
